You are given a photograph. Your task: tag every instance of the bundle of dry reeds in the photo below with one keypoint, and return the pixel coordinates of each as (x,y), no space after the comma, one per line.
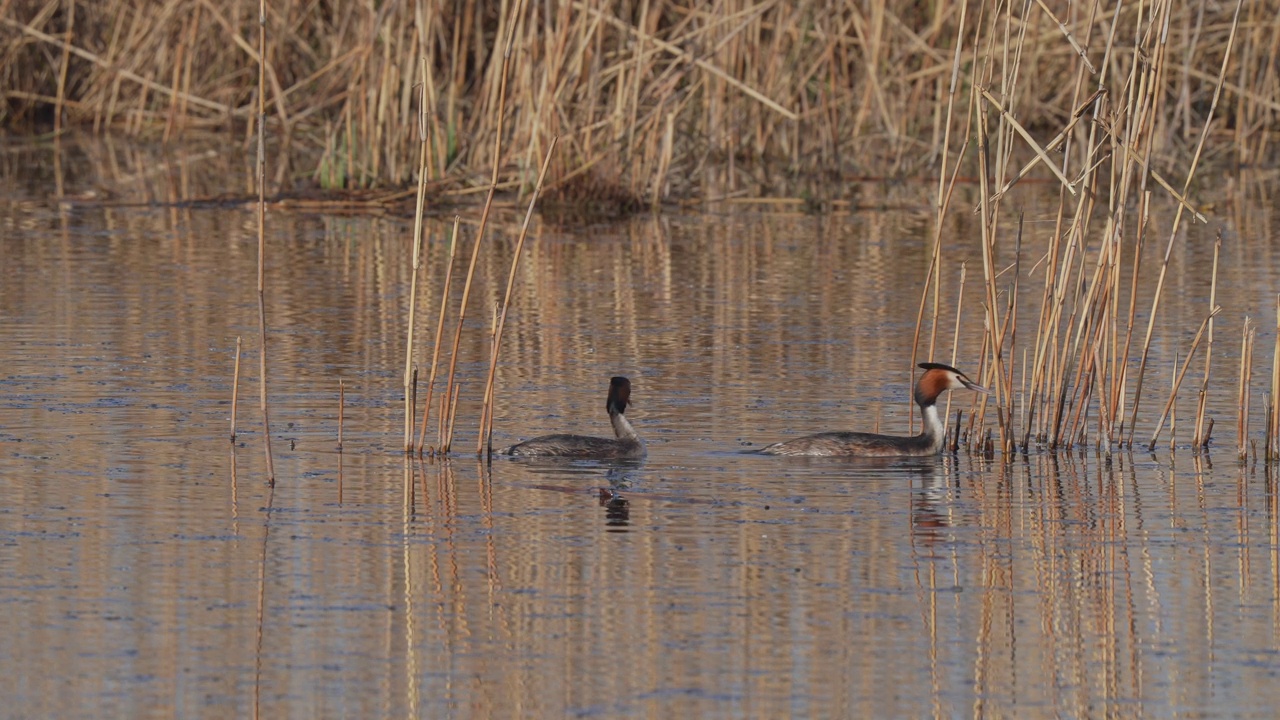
(1084,370)
(654,98)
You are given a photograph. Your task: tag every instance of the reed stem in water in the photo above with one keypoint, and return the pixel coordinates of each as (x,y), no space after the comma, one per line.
(1242,392)
(261,178)
(486,425)
(1200,438)
(484,219)
(453,410)
(417,261)
(1273,405)
(435,350)
(235,390)
(1173,396)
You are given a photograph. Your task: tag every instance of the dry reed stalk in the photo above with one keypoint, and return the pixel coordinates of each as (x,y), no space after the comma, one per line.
(1040,152)
(933,276)
(62,70)
(1173,410)
(1009,34)
(1025,391)
(1268,429)
(955,336)
(1199,439)
(1089,338)
(942,203)
(453,411)
(977,417)
(235,391)
(1117,404)
(485,406)
(420,206)
(484,221)
(260,177)
(1096,336)
(1273,405)
(1049,310)
(1242,392)
(486,425)
(147,84)
(1093,363)
(1113,362)
(1053,365)
(1059,140)
(342,405)
(442,426)
(413,405)
(1177,383)
(989,234)
(1177,218)
(1009,438)
(1092,315)
(1146,343)
(435,348)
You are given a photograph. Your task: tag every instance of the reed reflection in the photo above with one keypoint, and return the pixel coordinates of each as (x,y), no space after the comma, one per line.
(1058,525)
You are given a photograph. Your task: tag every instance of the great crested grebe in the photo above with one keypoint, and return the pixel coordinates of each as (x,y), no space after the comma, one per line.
(937,379)
(626,445)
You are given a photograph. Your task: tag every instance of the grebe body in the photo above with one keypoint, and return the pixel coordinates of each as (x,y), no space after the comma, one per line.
(626,444)
(937,379)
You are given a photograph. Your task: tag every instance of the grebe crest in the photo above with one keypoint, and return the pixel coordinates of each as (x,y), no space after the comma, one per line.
(626,444)
(937,379)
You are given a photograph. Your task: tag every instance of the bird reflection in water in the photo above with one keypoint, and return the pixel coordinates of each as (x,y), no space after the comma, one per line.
(617,509)
(567,475)
(931,513)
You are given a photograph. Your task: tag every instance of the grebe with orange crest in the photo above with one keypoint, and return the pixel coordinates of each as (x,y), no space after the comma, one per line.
(937,379)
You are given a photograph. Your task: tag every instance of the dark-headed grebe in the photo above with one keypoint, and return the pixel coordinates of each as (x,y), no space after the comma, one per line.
(627,444)
(937,379)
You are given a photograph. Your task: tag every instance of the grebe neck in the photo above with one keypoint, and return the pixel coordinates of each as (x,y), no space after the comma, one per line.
(622,427)
(934,432)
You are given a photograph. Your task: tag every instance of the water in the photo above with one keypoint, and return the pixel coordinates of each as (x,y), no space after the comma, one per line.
(147,570)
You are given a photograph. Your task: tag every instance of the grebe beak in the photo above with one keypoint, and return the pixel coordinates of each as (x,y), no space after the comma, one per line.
(973,385)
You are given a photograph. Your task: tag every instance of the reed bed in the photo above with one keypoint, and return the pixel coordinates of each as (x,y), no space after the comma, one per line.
(652,99)
(1083,370)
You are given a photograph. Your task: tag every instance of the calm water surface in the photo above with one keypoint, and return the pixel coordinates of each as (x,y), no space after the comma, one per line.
(147,570)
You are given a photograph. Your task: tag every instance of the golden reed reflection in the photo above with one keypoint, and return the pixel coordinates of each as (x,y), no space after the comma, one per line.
(1068,540)
(1036,578)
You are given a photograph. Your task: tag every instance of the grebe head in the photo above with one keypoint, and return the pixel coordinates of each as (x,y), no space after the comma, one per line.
(939,378)
(619,395)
